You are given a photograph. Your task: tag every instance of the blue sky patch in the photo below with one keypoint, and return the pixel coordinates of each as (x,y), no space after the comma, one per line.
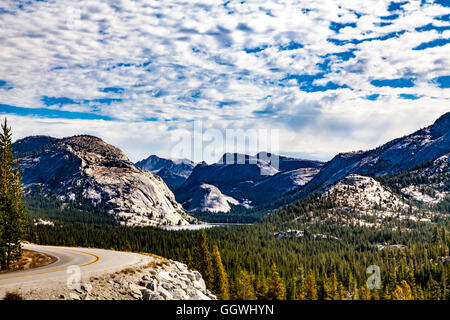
(49,113)
(113,90)
(358,41)
(442,82)
(431,26)
(408,96)
(382,24)
(309,87)
(227,103)
(256,49)
(444,3)
(329,58)
(60,101)
(390,17)
(396,6)
(291,46)
(107,101)
(5,85)
(445,17)
(432,44)
(394,83)
(373,97)
(336,26)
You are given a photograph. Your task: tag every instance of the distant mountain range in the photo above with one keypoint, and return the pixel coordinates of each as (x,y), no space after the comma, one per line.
(173,171)
(85,168)
(249,180)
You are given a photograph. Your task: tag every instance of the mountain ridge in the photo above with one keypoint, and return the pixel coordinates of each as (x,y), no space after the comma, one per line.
(400,154)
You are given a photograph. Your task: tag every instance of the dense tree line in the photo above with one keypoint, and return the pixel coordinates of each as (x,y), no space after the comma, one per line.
(256,265)
(12,208)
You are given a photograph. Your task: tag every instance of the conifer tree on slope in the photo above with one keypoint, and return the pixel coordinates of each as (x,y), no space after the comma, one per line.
(12,207)
(244,286)
(276,290)
(309,290)
(202,260)
(220,284)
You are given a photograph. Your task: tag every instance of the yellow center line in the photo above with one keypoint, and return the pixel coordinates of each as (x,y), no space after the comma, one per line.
(97,258)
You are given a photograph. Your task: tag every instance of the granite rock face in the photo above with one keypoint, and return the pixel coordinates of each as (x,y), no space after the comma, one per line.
(87,168)
(209,198)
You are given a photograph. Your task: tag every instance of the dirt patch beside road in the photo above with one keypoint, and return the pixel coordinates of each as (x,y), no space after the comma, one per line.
(29,260)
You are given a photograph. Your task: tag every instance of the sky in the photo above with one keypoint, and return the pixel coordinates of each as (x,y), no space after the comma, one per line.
(326,76)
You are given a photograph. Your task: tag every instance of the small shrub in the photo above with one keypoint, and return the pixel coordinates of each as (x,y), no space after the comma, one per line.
(13,296)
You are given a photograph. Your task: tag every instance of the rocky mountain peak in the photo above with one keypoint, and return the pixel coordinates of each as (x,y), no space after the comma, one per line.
(85,145)
(32,143)
(86,167)
(441,125)
(173,171)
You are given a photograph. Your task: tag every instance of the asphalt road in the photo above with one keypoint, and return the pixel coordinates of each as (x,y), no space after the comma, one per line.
(90,261)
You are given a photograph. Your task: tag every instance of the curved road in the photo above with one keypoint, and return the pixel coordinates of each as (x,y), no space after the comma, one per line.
(91,262)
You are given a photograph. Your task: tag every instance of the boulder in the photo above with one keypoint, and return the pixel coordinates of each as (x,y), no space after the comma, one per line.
(165,294)
(199,296)
(153,285)
(164,276)
(74,296)
(179,294)
(135,290)
(150,295)
(87,287)
(199,284)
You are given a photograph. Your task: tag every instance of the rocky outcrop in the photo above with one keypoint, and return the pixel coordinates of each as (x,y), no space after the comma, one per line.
(209,198)
(161,279)
(365,193)
(85,168)
(173,171)
(363,201)
(431,183)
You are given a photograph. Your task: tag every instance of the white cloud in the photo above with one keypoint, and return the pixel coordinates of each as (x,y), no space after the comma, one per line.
(184,61)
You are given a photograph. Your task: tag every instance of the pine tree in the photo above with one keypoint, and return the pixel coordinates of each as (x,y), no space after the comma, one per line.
(402,292)
(445,241)
(187,258)
(352,288)
(309,289)
(202,260)
(244,286)
(364,293)
(12,208)
(276,288)
(261,286)
(433,290)
(291,291)
(220,285)
(330,288)
(436,235)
